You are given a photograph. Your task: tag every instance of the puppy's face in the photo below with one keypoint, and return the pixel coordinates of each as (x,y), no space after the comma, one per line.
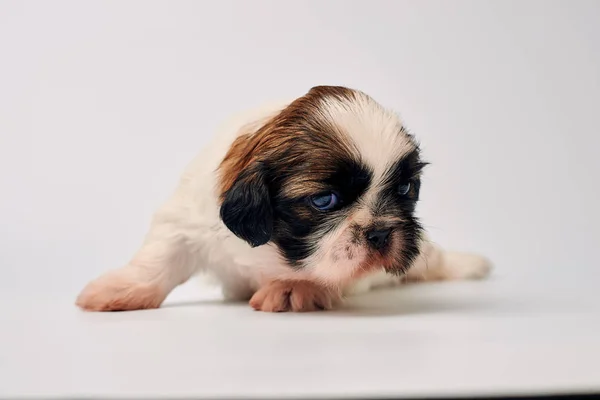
(332,181)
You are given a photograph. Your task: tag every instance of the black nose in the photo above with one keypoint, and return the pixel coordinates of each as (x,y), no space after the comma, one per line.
(378,238)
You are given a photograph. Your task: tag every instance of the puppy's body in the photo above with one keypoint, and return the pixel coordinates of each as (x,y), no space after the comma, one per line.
(293,257)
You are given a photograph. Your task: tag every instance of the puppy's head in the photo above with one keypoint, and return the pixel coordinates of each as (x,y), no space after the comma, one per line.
(332,181)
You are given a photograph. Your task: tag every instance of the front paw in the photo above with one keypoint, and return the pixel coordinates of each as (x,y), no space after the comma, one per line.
(120,290)
(297,296)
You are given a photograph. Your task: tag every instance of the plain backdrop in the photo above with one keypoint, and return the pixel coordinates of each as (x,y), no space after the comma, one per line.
(103,103)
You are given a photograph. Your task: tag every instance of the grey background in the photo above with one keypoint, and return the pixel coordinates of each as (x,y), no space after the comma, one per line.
(102,104)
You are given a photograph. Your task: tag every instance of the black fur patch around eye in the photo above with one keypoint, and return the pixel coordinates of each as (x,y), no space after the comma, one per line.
(350,180)
(298,226)
(405,169)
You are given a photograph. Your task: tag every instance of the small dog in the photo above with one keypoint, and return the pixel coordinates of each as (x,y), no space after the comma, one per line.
(292,207)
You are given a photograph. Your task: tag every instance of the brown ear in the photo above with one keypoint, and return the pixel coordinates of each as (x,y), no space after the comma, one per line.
(246,209)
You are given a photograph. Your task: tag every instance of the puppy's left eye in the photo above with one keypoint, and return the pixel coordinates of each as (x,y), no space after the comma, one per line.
(403,188)
(325,201)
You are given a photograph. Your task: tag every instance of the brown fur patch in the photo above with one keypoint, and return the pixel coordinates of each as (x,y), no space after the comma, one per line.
(299,138)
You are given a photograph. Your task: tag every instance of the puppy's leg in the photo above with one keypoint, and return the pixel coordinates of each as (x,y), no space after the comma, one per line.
(158,267)
(437,264)
(376,280)
(298,296)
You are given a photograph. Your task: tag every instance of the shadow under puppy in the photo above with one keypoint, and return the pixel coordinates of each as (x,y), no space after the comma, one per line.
(291,206)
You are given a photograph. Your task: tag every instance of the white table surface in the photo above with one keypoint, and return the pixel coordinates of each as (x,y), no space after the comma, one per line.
(462,338)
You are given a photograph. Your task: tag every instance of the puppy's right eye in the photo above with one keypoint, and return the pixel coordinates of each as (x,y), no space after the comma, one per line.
(325,201)
(404,188)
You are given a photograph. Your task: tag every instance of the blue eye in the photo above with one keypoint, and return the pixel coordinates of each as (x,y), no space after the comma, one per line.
(403,188)
(325,201)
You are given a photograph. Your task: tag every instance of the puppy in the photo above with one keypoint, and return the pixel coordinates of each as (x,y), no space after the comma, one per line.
(291,207)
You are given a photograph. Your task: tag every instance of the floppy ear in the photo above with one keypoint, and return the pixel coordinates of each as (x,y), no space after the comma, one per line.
(246,209)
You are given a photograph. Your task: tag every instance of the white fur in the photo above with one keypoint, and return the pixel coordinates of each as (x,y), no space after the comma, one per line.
(372,128)
(379,141)
(186,235)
